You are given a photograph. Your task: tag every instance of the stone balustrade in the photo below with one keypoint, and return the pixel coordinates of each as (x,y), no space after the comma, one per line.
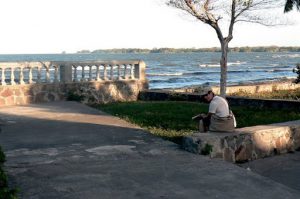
(95,81)
(13,73)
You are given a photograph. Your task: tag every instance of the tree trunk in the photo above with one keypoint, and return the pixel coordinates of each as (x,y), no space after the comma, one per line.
(223,64)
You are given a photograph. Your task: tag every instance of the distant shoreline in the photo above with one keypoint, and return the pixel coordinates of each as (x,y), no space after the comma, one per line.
(272,49)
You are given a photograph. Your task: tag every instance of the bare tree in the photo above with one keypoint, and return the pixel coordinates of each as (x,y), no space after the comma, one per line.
(212,12)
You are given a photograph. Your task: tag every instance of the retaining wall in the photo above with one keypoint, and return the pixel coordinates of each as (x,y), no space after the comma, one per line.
(250,88)
(101,92)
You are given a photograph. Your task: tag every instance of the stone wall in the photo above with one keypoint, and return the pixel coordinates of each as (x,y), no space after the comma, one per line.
(258,88)
(105,92)
(248,143)
(250,88)
(101,92)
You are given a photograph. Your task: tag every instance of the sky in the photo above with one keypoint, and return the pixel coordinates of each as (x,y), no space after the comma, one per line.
(54,26)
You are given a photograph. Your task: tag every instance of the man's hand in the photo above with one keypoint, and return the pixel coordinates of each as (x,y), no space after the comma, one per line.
(199,116)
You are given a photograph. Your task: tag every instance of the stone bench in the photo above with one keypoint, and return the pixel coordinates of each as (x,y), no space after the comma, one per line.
(246,144)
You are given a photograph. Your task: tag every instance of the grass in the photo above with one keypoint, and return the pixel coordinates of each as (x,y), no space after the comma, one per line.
(172,120)
(5,191)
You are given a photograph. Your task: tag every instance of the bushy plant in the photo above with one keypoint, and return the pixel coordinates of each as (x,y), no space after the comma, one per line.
(5,191)
(297,70)
(207,149)
(2,156)
(72,96)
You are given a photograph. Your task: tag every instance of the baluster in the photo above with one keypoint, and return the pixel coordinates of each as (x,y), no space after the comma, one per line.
(119,72)
(112,72)
(39,75)
(48,74)
(131,72)
(98,73)
(3,76)
(125,70)
(12,76)
(90,73)
(21,76)
(82,74)
(75,74)
(30,75)
(55,74)
(105,72)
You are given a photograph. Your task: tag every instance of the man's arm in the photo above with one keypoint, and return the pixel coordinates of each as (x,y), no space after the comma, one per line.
(209,114)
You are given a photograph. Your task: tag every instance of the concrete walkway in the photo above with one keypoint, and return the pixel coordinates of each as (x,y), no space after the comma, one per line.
(66,150)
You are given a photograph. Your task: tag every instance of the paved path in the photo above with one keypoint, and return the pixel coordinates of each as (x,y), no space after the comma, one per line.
(66,150)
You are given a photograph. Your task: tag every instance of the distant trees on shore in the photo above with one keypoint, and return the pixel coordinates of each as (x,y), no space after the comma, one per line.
(194,50)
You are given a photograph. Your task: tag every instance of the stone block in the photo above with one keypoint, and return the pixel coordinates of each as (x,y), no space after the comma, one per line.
(40,97)
(18,92)
(28,99)
(228,155)
(192,144)
(10,100)
(296,138)
(2,102)
(20,100)
(7,93)
(244,151)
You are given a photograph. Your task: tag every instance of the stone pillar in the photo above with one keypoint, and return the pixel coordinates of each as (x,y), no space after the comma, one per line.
(65,73)
(139,70)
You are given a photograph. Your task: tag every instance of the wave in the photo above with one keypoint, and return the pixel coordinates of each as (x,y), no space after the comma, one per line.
(236,63)
(277,70)
(157,81)
(263,70)
(270,79)
(235,71)
(209,65)
(273,66)
(171,80)
(169,64)
(200,73)
(286,56)
(165,74)
(212,65)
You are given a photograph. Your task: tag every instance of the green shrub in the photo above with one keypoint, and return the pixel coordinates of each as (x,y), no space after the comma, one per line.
(207,149)
(297,70)
(2,156)
(75,97)
(5,191)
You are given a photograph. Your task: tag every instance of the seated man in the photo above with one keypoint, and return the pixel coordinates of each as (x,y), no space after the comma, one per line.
(219,117)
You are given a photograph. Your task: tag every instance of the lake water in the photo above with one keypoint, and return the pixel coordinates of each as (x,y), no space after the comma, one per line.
(188,69)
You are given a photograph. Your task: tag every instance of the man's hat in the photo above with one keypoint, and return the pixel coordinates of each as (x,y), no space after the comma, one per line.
(203,91)
(206,89)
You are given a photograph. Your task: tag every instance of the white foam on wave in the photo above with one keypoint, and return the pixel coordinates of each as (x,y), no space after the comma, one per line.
(209,65)
(286,55)
(274,64)
(237,63)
